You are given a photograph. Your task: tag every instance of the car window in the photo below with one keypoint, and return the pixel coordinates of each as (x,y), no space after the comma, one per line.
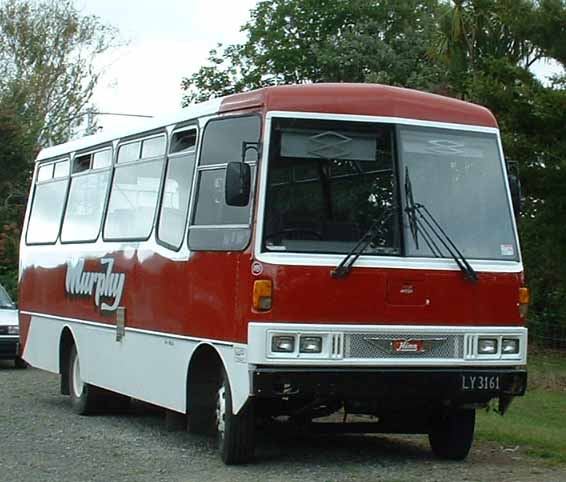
(5,300)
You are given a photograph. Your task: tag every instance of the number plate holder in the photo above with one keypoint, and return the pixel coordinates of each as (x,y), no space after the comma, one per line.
(479,382)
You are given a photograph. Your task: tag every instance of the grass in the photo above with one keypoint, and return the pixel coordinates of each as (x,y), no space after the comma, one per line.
(537,421)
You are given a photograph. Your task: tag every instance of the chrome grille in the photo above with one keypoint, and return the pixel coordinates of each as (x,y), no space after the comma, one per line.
(437,346)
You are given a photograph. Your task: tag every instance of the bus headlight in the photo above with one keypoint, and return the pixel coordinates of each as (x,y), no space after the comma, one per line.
(510,346)
(310,344)
(487,346)
(283,344)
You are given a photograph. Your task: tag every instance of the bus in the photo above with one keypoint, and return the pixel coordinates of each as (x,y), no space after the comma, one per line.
(287,254)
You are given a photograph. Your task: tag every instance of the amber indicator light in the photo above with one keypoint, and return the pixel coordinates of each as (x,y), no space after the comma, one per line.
(262,294)
(524,296)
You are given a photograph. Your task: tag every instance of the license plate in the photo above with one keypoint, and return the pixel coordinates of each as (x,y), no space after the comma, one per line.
(481,383)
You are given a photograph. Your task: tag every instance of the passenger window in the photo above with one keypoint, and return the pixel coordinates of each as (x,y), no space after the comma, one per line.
(175,201)
(215,225)
(61,169)
(183,141)
(45,173)
(46,211)
(153,147)
(129,152)
(81,163)
(133,199)
(85,205)
(102,159)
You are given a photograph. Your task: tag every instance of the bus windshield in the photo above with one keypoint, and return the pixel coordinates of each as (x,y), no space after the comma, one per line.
(330,181)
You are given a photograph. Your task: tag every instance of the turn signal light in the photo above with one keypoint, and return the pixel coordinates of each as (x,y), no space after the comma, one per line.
(262,295)
(524,300)
(524,296)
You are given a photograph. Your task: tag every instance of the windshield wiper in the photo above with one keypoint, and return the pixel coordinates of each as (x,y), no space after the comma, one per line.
(347,263)
(422,221)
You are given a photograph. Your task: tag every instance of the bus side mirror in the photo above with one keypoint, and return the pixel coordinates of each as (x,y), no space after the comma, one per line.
(514,186)
(237,185)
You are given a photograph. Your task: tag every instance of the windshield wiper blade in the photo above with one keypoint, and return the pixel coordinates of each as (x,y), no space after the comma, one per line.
(421,220)
(411,214)
(345,266)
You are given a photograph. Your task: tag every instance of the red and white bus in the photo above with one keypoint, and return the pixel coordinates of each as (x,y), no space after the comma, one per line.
(292,251)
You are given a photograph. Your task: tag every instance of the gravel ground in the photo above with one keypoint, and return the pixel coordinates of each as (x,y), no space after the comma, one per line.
(41,440)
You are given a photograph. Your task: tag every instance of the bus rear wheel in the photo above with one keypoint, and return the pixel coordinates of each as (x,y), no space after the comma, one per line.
(84,397)
(235,432)
(453,433)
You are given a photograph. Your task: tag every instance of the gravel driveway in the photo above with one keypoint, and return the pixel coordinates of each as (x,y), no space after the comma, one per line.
(41,440)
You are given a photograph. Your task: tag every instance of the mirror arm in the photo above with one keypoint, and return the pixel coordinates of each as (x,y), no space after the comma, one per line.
(246,146)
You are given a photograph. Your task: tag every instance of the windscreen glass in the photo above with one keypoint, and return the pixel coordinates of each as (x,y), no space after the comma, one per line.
(329,182)
(458,177)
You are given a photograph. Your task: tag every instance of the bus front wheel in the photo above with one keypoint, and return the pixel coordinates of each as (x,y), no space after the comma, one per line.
(235,432)
(452,433)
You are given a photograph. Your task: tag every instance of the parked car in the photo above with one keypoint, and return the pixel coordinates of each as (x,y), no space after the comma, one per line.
(9,330)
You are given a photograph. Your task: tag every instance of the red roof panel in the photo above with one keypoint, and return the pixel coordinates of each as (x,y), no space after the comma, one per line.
(362,99)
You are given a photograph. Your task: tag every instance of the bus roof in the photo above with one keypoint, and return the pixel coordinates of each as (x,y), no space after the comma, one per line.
(354,99)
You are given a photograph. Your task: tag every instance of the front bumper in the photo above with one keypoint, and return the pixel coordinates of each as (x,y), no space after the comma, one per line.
(9,347)
(471,385)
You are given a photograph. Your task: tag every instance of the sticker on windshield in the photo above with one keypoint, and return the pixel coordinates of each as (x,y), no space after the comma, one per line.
(507,250)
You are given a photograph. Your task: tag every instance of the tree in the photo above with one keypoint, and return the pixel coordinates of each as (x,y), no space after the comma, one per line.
(297,41)
(473,33)
(47,53)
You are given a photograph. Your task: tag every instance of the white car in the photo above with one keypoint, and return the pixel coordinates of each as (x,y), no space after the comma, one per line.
(9,330)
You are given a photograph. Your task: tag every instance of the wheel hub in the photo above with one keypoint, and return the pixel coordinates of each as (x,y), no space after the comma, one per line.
(78,383)
(221,411)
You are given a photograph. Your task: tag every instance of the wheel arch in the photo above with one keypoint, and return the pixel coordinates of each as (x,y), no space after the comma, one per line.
(204,371)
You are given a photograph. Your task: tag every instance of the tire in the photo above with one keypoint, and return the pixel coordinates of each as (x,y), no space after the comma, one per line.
(20,363)
(453,433)
(85,398)
(201,415)
(235,433)
(201,419)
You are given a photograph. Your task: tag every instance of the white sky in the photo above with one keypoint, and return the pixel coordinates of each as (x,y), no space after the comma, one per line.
(168,40)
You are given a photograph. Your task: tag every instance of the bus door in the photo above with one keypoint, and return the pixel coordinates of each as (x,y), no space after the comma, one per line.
(219,232)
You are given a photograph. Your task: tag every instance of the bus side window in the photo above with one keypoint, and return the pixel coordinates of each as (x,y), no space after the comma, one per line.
(87,195)
(135,190)
(48,202)
(177,188)
(215,225)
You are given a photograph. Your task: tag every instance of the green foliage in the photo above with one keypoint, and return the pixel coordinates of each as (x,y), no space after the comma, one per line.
(535,423)
(297,41)
(47,52)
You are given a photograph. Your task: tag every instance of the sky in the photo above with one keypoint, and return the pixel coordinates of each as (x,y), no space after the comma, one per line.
(166,41)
